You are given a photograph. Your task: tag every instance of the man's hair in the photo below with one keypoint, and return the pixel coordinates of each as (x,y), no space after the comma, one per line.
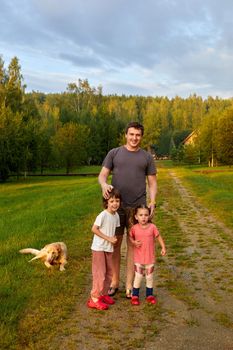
(114,193)
(135,125)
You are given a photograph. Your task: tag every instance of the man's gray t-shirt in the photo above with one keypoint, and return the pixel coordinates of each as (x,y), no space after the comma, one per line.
(129,172)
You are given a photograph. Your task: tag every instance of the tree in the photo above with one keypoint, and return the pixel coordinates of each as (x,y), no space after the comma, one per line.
(177,154)
(2,82)
(224,137)
(69,144)
(104,129)
(191,154)
(152,124)
(208,132)
(82,96)
(16,136)
(14,87)
(12,146)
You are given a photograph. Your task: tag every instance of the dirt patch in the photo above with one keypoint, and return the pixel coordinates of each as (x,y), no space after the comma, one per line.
(194,284)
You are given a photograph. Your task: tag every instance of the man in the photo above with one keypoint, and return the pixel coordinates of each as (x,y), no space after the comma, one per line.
(131,168)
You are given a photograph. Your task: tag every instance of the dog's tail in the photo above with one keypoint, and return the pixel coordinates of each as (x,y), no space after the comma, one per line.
(29,251)
(38,253)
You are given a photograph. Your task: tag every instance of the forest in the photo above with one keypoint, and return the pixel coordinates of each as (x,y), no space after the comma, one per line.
(79,126)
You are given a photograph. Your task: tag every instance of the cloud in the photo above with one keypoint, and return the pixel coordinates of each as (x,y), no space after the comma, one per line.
(169,47)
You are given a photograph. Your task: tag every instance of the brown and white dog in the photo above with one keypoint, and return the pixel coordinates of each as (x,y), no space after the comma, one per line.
(51,254)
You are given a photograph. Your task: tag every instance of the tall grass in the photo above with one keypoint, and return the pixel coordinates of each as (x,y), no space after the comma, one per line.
(33,213)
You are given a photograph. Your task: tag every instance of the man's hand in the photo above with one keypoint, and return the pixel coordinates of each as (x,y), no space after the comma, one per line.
(106,189)
(152,210)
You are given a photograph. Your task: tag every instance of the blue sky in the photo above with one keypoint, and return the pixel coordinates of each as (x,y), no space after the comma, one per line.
(138,47)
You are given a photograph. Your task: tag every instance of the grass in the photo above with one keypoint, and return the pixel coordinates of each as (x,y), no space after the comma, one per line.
(32,213)
(39,210)
(84,169)
(213,189)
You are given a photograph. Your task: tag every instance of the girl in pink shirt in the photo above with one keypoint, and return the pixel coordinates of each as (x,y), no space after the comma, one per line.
(142,236)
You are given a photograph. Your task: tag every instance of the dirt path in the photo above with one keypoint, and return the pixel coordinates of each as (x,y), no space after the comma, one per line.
(195,286)
(206,320)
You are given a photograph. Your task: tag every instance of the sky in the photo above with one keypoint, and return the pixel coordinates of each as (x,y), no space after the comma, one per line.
(131,47)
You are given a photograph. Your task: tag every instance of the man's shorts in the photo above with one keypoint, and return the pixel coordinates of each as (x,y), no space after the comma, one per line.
(126,220)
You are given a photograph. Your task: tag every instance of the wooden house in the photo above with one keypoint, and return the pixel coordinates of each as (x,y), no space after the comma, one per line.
(190,139)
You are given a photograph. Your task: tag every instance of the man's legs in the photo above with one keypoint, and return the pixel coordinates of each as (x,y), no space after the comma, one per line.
(116,262)
(130,253)
(125,221)
(116,258)
(129,265)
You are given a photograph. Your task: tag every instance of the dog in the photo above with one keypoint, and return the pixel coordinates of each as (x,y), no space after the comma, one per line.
(51,254)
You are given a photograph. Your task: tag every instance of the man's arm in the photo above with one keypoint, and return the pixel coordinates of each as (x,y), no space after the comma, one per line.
(103,178)
(152,187)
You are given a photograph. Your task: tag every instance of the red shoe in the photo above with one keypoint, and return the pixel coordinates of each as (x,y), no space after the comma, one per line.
(96,305)
(151,299)
(135,300)
(107,300)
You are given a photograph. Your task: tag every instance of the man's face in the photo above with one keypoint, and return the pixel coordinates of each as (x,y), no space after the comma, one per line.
(133,138)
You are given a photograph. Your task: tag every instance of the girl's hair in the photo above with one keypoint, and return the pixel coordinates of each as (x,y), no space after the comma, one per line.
(141,206)
(114,193)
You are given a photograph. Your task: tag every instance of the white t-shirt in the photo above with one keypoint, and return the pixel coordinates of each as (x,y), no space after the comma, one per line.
(107,224)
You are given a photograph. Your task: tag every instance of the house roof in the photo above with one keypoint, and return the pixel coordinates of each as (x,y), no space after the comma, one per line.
(190,136)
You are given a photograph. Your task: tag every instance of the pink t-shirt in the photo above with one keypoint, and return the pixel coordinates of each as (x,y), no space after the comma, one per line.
(146,253)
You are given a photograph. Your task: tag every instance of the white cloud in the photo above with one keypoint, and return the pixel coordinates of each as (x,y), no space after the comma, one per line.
(151,47)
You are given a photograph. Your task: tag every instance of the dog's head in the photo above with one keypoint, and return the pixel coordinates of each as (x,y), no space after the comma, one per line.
(53,252)
(50,253)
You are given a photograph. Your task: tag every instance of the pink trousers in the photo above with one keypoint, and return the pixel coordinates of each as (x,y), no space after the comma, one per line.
(101,273)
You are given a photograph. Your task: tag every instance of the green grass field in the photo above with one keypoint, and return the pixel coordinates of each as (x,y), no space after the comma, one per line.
(33,213)
(37,211)
(83,169)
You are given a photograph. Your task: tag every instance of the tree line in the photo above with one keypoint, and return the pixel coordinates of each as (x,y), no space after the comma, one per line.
(80,125)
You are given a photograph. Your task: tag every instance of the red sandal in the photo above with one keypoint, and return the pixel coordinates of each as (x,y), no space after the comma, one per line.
(135,300)
(151,299)
(107,300)
(96,304)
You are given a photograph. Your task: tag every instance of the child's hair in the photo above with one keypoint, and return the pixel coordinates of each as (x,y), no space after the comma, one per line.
(114,193)
(141,206)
